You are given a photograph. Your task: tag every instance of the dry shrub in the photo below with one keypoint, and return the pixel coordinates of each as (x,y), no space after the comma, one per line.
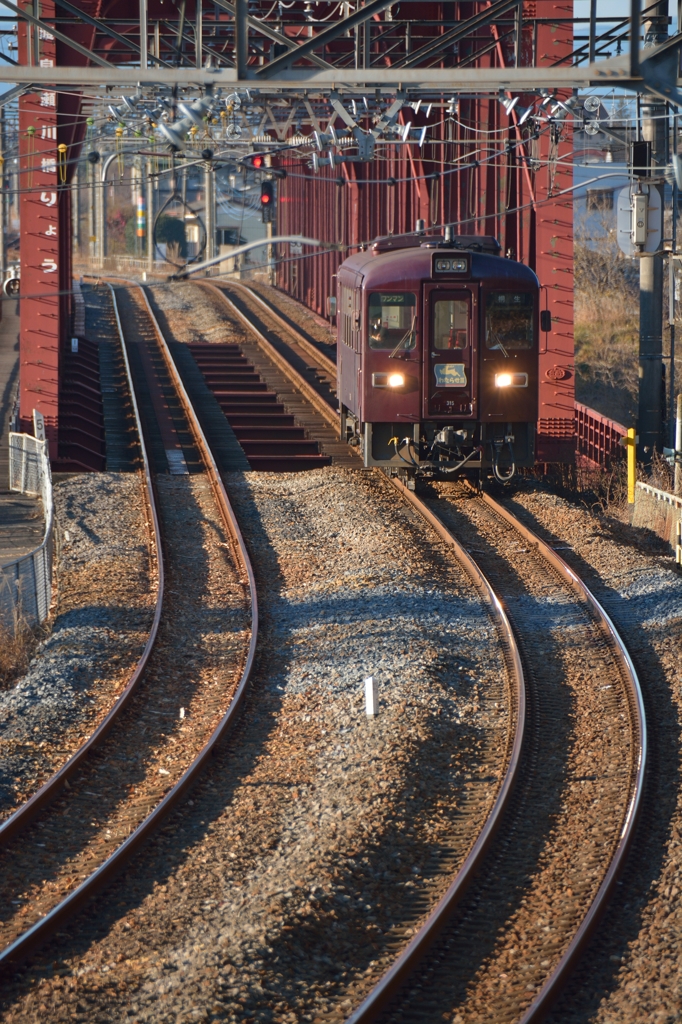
(606,315)
(659,474)
(17,647)
(174,257)
(601,490)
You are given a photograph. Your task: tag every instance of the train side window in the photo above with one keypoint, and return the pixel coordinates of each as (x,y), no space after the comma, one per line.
(392,320)
(509,321)
(450,324)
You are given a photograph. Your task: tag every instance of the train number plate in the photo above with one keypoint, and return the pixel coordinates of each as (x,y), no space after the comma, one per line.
(450,375)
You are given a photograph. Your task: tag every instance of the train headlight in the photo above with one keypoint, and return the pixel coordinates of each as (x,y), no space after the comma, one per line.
(511,380)
(396,380)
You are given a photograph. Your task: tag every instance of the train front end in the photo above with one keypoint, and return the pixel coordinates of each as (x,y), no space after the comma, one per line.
(438,358)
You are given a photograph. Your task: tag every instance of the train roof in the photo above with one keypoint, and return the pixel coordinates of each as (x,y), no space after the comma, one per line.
(407,265)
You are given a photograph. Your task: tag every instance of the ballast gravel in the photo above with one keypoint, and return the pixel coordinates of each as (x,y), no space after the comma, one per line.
(105,584)
(316,329)
(630,973)
(320,837)
(185,689)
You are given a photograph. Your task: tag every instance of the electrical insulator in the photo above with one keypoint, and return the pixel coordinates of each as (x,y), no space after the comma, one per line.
(267,201)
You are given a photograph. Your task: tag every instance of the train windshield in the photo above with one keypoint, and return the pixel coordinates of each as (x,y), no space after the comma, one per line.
(450,323)
(509,321)
(392,320)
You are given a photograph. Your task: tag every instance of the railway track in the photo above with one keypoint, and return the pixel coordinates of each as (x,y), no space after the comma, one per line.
(515,912)
(284,356)
(512,943)
(84,825)
(488,985)
(50,790)
(586,778)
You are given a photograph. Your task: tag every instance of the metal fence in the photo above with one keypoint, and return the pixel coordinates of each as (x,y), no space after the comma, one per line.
(661,512)
(26,583)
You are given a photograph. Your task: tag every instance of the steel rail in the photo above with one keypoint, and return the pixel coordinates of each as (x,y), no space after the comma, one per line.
(380,997)
(324,361)
(45,928)
(51,789)
(561,973)
(390,983)
(306,389)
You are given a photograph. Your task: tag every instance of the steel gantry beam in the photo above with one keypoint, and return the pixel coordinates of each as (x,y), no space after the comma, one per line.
(108,30)
(269,33)
(467,27)
(241,47)
(611,72)
(361,15)
(51,30)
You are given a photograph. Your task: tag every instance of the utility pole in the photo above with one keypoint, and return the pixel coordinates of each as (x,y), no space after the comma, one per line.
(209,210)
(651,381)
(100,185)
(92,211)
(76,212)
(149,184)
(198,34)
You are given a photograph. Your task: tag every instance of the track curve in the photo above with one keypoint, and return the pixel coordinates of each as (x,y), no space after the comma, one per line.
(405,970)
(47,925)
(375,1004)
(408,962)
(55,784)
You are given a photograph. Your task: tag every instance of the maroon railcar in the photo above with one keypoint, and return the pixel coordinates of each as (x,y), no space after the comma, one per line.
(438,356)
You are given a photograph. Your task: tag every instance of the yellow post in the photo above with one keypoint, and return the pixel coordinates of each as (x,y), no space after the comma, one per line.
(631,444)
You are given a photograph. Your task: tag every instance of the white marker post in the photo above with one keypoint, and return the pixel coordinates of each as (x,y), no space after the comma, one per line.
(371,697)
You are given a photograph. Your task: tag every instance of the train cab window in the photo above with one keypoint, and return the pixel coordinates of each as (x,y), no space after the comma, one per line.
(392,320)
(509,321)
(450,324)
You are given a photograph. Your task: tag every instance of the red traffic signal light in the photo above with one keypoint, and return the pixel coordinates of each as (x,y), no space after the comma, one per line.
(257,161)
(267,201)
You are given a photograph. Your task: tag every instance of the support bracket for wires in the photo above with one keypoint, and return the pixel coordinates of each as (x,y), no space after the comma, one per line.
(660,69)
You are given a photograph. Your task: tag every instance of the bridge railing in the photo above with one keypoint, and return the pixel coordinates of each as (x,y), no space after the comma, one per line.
(597,437)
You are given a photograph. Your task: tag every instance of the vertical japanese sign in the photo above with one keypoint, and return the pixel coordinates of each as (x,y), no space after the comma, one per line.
(39,211)
(554,251)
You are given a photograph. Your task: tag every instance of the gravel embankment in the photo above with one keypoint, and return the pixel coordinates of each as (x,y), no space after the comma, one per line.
(631,971)
(105,587)
(320,837)
(185,690)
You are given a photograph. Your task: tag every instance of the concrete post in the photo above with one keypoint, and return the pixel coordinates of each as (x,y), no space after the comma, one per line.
(92,212)
(651,388)
(209,209)
(272,274)
(198,34)
(144,36)
(76,212)
(678,446)
(149,185)
(100,221)
(650,354)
